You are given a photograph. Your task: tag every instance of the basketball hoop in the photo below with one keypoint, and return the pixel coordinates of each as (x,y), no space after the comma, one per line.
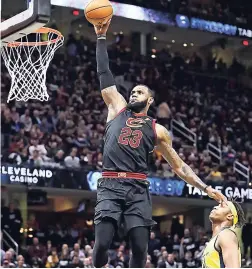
(27,63)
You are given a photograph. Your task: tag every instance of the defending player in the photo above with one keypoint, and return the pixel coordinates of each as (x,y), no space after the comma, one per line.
(223,250)
(123,191)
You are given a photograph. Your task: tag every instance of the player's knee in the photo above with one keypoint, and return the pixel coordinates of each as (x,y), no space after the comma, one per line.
(102,245)
(139,250)
(100,253)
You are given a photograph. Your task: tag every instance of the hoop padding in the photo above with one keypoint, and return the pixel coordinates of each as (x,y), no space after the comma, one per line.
(27,63)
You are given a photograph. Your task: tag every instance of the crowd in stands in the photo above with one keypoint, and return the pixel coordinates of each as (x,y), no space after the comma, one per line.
(219,10)
(70,245)
(68,130)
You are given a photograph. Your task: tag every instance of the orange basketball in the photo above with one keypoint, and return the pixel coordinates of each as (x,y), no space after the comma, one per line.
(98,12)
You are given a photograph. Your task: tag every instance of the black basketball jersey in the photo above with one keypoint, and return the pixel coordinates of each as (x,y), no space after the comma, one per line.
(128,141)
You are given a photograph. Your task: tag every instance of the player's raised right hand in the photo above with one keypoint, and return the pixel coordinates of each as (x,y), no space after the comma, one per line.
(102,29)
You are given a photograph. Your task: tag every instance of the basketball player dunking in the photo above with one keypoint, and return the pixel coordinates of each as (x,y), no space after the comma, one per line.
(223,250)
(123,191)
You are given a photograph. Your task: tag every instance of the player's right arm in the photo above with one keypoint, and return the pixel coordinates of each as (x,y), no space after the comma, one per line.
(228,244)
(183,170)
(113,99)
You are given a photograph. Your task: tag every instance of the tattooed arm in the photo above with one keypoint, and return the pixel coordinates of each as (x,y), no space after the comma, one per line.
(164,145)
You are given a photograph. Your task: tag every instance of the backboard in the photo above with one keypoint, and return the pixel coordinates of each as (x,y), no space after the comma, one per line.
(23,23)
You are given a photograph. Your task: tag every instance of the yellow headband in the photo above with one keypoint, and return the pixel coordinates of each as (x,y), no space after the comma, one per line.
(233,211)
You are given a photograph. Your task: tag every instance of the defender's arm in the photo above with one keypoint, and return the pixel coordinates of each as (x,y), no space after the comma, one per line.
(113,99)
(228,244)
(164,145)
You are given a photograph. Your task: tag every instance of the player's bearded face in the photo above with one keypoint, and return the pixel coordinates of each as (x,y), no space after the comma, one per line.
(137,106)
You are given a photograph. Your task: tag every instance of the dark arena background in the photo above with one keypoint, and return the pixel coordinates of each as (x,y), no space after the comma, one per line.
(196,56)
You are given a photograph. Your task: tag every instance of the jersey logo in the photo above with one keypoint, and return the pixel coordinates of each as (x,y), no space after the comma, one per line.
(135,123)
(122,174)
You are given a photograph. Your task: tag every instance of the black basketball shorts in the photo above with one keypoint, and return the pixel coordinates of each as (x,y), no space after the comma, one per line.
(127,201)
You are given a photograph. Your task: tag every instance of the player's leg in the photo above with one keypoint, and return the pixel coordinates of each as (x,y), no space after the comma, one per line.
(138,221)
(107,216)
(104,232)
(139,238)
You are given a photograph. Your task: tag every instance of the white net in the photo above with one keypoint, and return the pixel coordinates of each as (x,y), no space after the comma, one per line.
(27,63)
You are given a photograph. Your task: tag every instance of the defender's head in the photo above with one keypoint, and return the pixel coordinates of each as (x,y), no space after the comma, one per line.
(229,213)
(141,97)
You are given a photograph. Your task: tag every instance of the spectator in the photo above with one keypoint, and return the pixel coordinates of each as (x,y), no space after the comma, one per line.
(76,263)
(169,262)
(36,250)
(88,248)
(15,222)
(186,257)
(72,160)
(40,148)
(36,262)
(8,264)
(35,159)
(15,158)
(26,120)
(246,237)
(148,262)
(32,222)
(36,117)
(188,241)
(64,257)
(163,258)
(77,252)
(52,260)
(4,217)
(21,262)
(8,260)
(215,176)
(176,227)
(45,126)
(87,263)
(49,247)
(59,157)
(154,243)
(163,114)
(2,255)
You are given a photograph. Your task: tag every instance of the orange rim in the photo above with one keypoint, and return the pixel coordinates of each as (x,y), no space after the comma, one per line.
(43,30)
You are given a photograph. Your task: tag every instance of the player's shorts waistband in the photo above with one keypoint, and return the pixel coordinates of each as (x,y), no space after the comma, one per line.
(124,175)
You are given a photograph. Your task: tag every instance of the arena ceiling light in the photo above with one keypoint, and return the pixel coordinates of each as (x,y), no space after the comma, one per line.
(76,12)
(245,42)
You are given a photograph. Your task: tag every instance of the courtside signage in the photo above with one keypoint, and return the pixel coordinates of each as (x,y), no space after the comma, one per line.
(24,175)
(172,187)
(175,187)
(178,188)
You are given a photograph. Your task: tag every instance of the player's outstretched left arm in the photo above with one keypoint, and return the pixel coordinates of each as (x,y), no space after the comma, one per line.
(164,145)
(228,244)
(113,99)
